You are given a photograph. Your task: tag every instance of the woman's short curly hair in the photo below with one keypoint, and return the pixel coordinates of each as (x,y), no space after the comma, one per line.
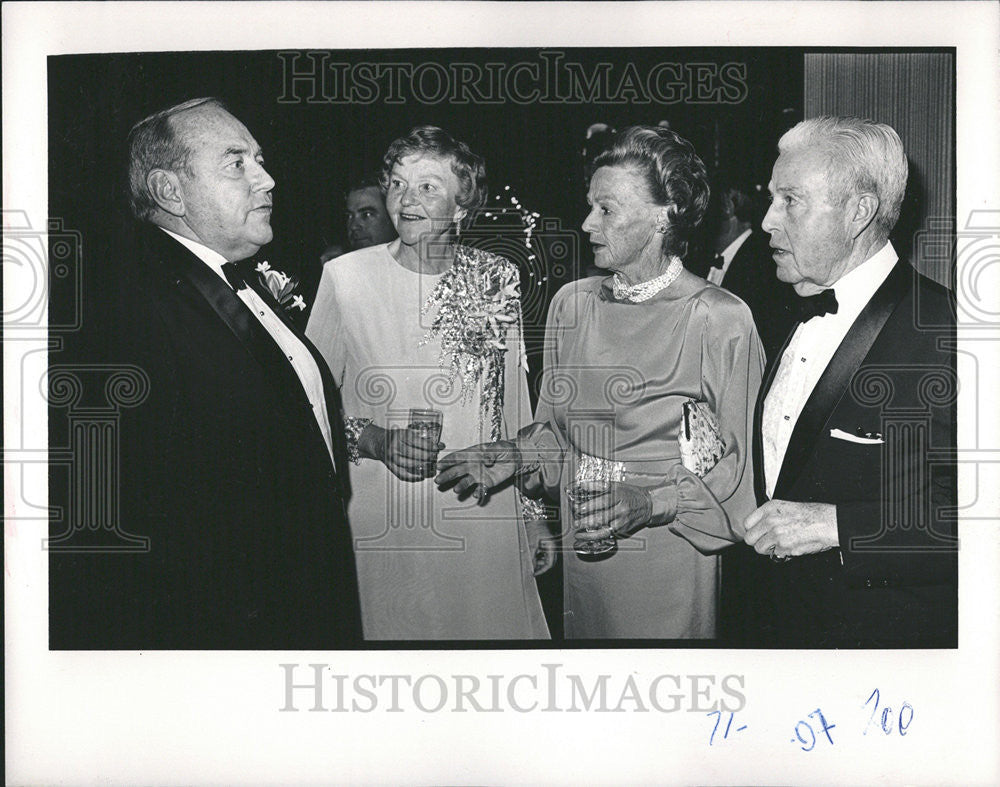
(674,174)
(469,168)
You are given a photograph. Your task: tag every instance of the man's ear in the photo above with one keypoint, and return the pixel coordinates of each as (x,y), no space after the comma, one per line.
(165,188)
(865,210)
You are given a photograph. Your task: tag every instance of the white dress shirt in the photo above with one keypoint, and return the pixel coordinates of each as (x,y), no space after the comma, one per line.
(716,275)
(298,355)
(809,353)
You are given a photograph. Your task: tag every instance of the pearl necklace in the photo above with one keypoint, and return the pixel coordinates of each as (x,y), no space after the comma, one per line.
(637,293)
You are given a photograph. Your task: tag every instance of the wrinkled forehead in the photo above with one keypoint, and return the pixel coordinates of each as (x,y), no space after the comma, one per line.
(621,184)
(807,169)
(426,164)
(212,127)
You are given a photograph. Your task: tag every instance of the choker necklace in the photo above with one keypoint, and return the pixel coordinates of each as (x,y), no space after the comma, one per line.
(637,293)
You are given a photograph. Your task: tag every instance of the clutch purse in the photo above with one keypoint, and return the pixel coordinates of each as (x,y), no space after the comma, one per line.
(700,439)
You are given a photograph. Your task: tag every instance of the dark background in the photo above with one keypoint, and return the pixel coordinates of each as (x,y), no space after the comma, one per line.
(314,147)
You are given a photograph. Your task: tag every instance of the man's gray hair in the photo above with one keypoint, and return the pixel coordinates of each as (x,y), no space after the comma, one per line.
(153,144)
(862,156)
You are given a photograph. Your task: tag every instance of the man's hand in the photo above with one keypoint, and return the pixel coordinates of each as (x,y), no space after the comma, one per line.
(783,529)
(620,510)
(478,469)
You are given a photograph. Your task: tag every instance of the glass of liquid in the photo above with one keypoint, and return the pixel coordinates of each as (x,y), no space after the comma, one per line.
(578,493)
(427,425)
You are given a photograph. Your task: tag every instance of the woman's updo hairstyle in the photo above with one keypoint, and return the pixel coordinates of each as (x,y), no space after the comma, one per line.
(469,168)
(674,175)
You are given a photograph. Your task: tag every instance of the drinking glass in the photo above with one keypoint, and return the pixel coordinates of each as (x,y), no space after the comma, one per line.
(427,425)
(579,493)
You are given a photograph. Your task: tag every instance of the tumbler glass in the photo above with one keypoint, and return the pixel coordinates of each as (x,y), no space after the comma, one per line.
(427,425)
(579,493)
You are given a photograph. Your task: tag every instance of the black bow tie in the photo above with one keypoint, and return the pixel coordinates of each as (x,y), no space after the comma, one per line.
(233,276)
(817,305)
(718,261)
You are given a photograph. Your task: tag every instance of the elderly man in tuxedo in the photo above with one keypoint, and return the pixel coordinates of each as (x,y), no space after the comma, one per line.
(234,466)
(855,420)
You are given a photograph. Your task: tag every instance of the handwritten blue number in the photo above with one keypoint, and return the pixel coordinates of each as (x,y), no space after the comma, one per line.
(718,717)
(902,727)
(874,694)
(886,720)
(826,727)
(803,740)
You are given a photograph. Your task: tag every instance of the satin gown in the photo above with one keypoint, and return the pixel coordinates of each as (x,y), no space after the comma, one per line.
(429,566)
(616,375)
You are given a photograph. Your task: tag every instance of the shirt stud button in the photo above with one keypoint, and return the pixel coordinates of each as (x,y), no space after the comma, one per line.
(788,418)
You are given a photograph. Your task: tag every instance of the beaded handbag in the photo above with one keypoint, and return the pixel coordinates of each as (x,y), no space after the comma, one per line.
(700,438)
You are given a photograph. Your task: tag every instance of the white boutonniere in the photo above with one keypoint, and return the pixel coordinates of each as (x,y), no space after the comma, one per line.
(281,286)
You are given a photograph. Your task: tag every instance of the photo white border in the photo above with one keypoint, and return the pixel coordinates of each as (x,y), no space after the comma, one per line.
(186,717)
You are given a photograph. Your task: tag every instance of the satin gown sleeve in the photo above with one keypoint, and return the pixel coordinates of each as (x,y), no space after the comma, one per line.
(711,510)
(541,443)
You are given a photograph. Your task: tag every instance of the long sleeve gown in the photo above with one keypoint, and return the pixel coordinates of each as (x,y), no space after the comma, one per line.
(615,378)
(430,567)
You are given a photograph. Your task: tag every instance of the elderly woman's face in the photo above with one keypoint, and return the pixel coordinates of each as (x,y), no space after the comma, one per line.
(421,197)
(622,220)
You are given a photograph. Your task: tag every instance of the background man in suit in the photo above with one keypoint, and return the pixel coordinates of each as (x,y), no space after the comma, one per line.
(368,223)
(856,417)
(742,262)
(230,468)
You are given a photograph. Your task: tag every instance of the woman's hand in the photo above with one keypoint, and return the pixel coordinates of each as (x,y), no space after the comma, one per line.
(479,468)
(543,545)
(619,510)
(406,454)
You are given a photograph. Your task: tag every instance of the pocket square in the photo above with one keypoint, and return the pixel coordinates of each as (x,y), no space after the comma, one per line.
(874,439)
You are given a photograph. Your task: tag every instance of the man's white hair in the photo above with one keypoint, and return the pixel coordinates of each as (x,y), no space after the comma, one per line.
(862,157)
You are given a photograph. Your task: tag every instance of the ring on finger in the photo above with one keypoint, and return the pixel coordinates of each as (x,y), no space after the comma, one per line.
(777,558)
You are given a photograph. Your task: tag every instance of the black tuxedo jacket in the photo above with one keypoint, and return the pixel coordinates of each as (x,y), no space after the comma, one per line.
(893,582)
(224,469)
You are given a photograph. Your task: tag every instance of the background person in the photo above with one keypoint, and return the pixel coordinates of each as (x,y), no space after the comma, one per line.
(740,260)
(368,224)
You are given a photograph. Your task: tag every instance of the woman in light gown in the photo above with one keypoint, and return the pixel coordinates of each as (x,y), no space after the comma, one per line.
(623,353)
(425,322)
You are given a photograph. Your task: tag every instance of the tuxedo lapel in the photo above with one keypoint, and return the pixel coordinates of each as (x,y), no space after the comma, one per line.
(833,383)
(331,393)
